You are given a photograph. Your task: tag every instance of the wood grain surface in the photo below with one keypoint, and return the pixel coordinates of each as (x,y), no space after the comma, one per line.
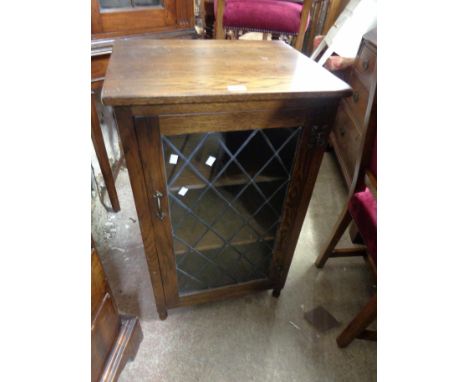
(184,71)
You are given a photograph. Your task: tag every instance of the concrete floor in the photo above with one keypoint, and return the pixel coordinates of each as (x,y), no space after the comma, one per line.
(254,338)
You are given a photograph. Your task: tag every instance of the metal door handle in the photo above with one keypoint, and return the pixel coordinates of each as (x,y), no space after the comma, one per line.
(158,196)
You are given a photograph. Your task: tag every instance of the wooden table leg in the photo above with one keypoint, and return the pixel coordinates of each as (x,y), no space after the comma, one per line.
(101,154)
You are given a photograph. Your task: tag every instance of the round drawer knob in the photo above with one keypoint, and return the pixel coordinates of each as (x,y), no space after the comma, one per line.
(355,96)
(365,64)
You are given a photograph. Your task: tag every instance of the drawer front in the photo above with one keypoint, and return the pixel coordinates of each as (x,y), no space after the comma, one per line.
(104,332)
(348,140)
(357,103)
(365,65)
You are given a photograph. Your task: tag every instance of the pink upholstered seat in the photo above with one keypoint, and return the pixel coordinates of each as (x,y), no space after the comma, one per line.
(262,15)
(363,208)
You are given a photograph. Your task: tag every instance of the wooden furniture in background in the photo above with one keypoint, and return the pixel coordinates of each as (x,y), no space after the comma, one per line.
(269,23)
(222,158)
(360,208)
(108,173)
(112,20)
(114,338)
(353,114)
(138,19)
(323,15)
(334,9)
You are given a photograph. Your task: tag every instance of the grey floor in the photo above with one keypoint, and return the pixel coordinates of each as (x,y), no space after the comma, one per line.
(254,338)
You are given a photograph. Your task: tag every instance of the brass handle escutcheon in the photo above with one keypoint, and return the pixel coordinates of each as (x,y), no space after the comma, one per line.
(158,196)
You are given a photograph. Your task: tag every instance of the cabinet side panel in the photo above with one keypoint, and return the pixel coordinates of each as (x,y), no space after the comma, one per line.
(142,202)
(311,147)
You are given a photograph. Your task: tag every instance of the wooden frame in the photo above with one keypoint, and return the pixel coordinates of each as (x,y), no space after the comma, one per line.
(142,147)
(174,14)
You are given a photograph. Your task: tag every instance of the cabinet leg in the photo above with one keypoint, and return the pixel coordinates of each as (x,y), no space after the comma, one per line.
(162,314)
(276,293)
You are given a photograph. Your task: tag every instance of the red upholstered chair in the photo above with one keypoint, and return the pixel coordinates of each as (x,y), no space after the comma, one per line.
(286,17)
(361,207)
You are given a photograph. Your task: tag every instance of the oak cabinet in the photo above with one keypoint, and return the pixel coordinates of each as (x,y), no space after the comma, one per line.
(222,158)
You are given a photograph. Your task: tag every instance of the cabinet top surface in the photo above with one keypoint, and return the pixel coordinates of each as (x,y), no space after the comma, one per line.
(147,72)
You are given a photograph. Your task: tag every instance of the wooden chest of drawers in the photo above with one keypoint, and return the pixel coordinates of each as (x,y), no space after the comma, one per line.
(354,112)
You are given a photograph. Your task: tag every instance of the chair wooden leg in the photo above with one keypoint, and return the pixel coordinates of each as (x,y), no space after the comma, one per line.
(101,154)
(219,30)
(339,229)
(306,6)
(358,325)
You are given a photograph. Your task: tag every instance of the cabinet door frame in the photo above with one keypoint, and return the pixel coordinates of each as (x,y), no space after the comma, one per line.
(141,129)
(173,14)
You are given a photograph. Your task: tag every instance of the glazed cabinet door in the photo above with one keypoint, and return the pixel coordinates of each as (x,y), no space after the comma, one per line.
(216,204)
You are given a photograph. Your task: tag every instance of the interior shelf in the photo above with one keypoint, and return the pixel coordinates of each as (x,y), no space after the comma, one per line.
(191,181)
